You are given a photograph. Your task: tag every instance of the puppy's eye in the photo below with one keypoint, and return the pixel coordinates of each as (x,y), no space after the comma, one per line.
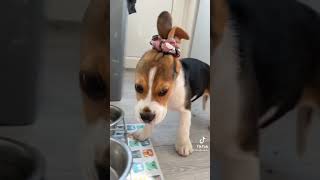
(139,88)
(92,84)
(163,92)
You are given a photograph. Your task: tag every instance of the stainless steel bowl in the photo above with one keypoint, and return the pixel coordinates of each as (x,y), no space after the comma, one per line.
(120,160)
(116,115)
(20,161)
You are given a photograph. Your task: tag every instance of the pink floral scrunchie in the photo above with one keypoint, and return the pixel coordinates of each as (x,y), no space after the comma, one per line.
(168,46)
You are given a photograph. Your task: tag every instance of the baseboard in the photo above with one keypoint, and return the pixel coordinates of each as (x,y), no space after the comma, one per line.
(131,62)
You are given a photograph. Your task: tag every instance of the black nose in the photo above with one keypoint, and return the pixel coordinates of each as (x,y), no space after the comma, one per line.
(147,117)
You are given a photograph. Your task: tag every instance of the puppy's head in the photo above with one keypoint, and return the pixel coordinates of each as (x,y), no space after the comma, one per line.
(155,75)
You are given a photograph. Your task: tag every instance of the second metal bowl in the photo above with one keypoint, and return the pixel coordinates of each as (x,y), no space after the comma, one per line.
(116,115)
(120,160)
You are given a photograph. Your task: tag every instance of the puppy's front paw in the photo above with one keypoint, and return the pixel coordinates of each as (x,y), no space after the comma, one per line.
(184,148)
(140,135)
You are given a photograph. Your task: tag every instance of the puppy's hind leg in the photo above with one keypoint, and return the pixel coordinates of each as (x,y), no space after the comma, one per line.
(205,99)
(309,102)
(231,145)
(303,126)
(205,103)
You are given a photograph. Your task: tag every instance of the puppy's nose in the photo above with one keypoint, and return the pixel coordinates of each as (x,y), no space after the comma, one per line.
(147,117)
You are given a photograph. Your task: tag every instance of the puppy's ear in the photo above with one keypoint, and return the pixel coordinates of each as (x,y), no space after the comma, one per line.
(178,33)
(164,24)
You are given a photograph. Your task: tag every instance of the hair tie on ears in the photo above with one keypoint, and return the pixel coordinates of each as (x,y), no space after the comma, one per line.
(167,46)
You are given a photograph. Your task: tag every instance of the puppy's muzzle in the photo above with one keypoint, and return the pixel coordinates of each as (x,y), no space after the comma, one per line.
(147,116)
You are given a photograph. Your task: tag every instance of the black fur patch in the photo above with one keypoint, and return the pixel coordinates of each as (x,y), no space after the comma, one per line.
(93,85)
(280,39)
(197,77)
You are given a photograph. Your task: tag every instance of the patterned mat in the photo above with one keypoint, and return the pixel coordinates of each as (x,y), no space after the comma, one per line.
(145,162)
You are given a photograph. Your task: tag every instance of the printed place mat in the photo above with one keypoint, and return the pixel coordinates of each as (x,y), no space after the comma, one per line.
(145,162)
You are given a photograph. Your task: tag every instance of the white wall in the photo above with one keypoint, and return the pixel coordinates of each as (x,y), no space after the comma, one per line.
(201,38)
(142,25)
(69,10)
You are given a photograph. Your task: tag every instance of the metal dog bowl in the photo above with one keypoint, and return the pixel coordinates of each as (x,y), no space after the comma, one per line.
(19,161)
(120,160)
(116,115)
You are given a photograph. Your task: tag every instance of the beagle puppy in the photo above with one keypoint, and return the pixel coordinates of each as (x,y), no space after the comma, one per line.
(163,80)
(266,59)
(94,85)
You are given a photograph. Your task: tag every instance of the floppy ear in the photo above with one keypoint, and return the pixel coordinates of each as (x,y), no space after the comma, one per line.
(178,33)
(164,24)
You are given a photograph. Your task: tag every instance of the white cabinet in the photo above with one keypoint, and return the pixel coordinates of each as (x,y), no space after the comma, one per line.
(143,25)
(200,48)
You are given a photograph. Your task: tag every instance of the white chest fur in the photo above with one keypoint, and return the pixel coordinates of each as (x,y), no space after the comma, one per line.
(178,96)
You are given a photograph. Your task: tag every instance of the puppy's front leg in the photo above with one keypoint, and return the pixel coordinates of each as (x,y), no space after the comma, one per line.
(183,143)
(144,134)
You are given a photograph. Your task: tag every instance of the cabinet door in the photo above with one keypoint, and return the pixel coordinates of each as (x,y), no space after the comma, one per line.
(141,27)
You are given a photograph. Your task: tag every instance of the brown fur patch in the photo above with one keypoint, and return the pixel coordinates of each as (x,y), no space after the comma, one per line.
(310,101)
(311,96)
(165,29)
(160,84)
(142,72)
(207,91)
(164,24)
(142,80)
(164,76)
(219,18)
(178,33)
(95,57)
